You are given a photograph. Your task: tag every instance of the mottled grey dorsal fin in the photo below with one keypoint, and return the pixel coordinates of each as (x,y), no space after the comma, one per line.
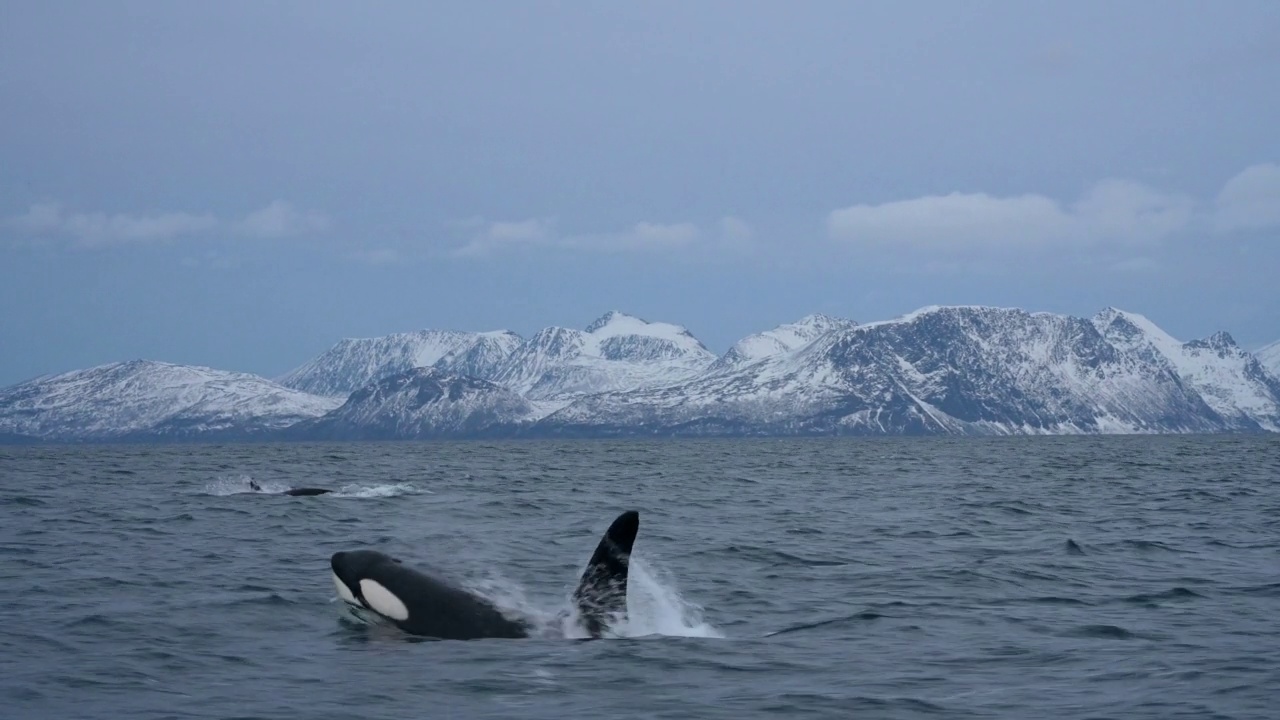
(602,591)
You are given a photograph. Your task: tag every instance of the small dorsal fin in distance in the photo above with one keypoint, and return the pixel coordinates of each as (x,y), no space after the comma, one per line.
(602,591)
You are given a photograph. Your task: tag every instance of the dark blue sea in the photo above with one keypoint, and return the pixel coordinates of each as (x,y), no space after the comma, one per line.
(1077,577)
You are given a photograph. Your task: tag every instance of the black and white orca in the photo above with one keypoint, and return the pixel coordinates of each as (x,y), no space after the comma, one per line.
(422,603)
(253,485)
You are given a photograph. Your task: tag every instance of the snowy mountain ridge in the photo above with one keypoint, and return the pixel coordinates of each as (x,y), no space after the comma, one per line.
(945,370)
(150,399)
(354,362)
(1231,380)
(781,340)
(420,403)
(937,370)
(615,352)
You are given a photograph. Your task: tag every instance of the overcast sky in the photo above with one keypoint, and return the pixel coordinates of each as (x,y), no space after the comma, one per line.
(241,184)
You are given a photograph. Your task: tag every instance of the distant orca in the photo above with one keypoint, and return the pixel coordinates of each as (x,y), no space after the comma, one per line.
(253,484)
(424,604)
(306,491)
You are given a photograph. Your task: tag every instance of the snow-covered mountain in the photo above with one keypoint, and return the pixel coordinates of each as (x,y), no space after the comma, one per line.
(617,352)
(779,341)
(142,399)
(418,404)
(353,363)
(1231,380)
(939,370)
(1269,356)
(970,370)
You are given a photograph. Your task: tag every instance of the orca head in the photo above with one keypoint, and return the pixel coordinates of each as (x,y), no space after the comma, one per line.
(361,578)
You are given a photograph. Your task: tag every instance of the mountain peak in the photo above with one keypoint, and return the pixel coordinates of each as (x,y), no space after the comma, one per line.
(1219,341)
(617,351)
(1111,312)
(354,362)
(822,320)
(781,340)
(1113,319)
(1223,338)
(615,324)
(614,317)
(952,311)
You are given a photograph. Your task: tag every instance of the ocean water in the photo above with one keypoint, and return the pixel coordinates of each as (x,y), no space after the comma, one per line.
(1114,577)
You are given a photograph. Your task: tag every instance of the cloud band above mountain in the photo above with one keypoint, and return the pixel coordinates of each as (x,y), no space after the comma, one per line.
(494,237)
(279,219)
(1113,212)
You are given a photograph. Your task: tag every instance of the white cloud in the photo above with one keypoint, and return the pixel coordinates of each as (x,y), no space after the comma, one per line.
(279,219)
(642,236)
(958,219)
(527,231)
(1113,212)
(493,235)
(93,229)
(1250,200)
(639,237)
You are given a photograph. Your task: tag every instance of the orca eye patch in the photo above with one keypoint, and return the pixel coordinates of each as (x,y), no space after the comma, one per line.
(382,600)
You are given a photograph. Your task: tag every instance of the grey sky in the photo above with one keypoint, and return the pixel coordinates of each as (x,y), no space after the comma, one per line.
(241,184)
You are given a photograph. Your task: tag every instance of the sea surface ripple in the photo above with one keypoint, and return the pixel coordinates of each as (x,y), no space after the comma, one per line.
(1080,577)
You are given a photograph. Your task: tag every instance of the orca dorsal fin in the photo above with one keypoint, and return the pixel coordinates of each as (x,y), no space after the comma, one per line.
(602,591)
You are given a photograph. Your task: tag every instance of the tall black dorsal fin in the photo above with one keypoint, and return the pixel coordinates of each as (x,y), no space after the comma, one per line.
(602,591)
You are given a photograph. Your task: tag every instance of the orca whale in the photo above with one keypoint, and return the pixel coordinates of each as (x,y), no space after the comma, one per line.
(306,491)
(423,603)
(253,485)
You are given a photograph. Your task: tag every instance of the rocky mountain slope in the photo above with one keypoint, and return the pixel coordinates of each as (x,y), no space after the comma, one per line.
(967,370)
(617,352)
(1231,380)
(418,404)
(143,399)
(939,370)
(353,363)
(778,341)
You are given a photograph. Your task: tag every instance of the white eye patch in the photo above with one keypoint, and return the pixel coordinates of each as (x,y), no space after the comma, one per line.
(344,592)
(382,600)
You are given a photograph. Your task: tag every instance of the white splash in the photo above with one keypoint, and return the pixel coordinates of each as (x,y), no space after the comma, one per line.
(655,607)
(379,491)
(239,484)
